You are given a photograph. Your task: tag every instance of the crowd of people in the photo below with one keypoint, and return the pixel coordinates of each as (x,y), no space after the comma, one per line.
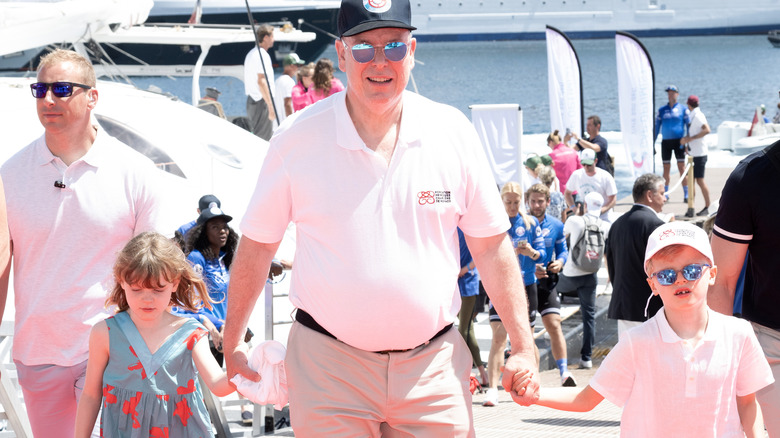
(395,210)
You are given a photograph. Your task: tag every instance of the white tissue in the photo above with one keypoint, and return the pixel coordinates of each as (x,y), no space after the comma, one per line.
(267,359)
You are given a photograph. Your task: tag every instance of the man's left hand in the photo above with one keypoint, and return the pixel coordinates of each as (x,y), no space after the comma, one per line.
(518,364)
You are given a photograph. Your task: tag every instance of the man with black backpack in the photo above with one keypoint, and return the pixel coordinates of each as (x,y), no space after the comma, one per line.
(586,234)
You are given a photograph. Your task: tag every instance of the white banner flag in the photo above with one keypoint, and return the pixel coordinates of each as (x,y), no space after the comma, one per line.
(635,96)
(500,127)
(564,84)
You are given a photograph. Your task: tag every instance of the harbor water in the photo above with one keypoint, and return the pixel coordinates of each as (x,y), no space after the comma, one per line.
(730,74)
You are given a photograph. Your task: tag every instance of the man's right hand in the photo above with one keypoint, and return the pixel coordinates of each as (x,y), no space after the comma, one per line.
(237,362)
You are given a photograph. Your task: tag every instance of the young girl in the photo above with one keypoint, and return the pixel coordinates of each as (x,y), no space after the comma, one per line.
(144,362)
(529,246)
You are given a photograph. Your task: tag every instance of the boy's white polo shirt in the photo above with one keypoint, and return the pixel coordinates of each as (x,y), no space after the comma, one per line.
(377,252)
(668,387)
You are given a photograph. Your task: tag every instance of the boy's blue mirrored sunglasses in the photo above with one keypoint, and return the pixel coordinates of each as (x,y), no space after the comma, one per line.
(364,53)
(59,89)
(692,272)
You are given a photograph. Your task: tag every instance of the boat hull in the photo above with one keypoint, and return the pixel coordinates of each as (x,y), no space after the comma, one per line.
(233,53)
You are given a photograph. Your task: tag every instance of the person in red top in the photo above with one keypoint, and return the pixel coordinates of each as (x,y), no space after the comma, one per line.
(565,159)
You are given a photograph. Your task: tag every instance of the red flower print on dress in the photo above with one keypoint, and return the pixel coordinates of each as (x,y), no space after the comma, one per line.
(137,365)
(183,411)
(189,389)
(158,432)
(164,397)
(110,398)
(194,337)
(130,408)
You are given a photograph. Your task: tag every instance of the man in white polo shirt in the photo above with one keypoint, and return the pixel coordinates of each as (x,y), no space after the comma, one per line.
(75,196)
(377,195)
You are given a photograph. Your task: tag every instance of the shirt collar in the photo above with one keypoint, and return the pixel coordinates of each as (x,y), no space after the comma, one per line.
(669,336)
(93,157)
(348,137)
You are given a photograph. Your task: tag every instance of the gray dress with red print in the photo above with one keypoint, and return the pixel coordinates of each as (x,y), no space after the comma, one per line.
(152,395)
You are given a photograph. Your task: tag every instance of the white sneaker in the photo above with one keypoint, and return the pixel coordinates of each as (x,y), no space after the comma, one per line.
(586,364)
(567,379)
(491,397)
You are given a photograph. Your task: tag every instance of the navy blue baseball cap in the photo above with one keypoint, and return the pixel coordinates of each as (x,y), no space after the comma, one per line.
(205,202)
(356,16)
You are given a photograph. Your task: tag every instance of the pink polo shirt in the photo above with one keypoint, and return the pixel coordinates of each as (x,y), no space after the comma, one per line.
(565,162)
(377,253)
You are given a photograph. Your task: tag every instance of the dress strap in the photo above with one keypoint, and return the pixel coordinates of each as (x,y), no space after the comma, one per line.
(153,362)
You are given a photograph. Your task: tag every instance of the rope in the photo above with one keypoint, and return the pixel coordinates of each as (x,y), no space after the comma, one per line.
(682,178)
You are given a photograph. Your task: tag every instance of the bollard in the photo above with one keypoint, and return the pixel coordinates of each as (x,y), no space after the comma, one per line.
(691,186)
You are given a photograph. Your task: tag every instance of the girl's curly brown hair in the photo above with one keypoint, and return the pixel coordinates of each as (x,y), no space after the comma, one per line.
(149,258)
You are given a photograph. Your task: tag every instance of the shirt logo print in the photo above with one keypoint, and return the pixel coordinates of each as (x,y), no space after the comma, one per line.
(433,197)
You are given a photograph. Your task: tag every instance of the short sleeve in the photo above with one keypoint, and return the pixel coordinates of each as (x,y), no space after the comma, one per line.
(270,209)
(734,221)
(754,372)
(615,377)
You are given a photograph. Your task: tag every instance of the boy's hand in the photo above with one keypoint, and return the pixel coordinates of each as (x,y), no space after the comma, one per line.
(521,380)
(522,362)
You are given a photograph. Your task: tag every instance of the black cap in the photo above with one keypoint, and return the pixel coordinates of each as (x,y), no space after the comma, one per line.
(206,200)
(356,16)
(210,213)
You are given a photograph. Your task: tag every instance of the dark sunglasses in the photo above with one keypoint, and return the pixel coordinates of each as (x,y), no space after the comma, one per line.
(692,272)
(59,89)
(364,53)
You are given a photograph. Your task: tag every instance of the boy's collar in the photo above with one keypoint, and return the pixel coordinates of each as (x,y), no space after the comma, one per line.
(669,336)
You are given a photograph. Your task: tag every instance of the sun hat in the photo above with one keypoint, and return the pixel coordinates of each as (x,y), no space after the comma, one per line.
(587,156)
(211,213)
(292,59)
(356,16)
(594,201)
(205,202)
(678,233)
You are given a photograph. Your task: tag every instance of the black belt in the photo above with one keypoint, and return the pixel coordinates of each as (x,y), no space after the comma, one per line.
(307,321)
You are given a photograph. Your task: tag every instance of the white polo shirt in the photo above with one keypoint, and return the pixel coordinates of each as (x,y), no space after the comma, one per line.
(65,240)
(253,67)
(698,148)
(377,252)
(669,387)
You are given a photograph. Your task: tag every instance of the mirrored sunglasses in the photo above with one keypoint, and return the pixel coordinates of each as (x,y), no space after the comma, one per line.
(59,89)
(692,272)
(364,53)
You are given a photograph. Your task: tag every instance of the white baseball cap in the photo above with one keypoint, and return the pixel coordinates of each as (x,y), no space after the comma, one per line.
(587,156)
(594,201)
(678,233)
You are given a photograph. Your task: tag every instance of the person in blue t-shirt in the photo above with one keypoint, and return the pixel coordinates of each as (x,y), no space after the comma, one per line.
(671,121)
(205,202)
(526,236)
(547,270)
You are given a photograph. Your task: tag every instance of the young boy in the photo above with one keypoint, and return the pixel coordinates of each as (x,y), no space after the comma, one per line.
(688,371)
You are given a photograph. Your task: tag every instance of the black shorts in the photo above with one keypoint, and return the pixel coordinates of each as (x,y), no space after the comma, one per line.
(698,166)
(667,146)
(548,301)
(532,295)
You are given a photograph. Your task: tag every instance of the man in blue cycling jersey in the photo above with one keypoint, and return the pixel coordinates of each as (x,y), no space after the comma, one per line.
(672,119)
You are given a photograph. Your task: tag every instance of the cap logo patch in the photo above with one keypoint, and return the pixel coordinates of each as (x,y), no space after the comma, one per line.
(377,6)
